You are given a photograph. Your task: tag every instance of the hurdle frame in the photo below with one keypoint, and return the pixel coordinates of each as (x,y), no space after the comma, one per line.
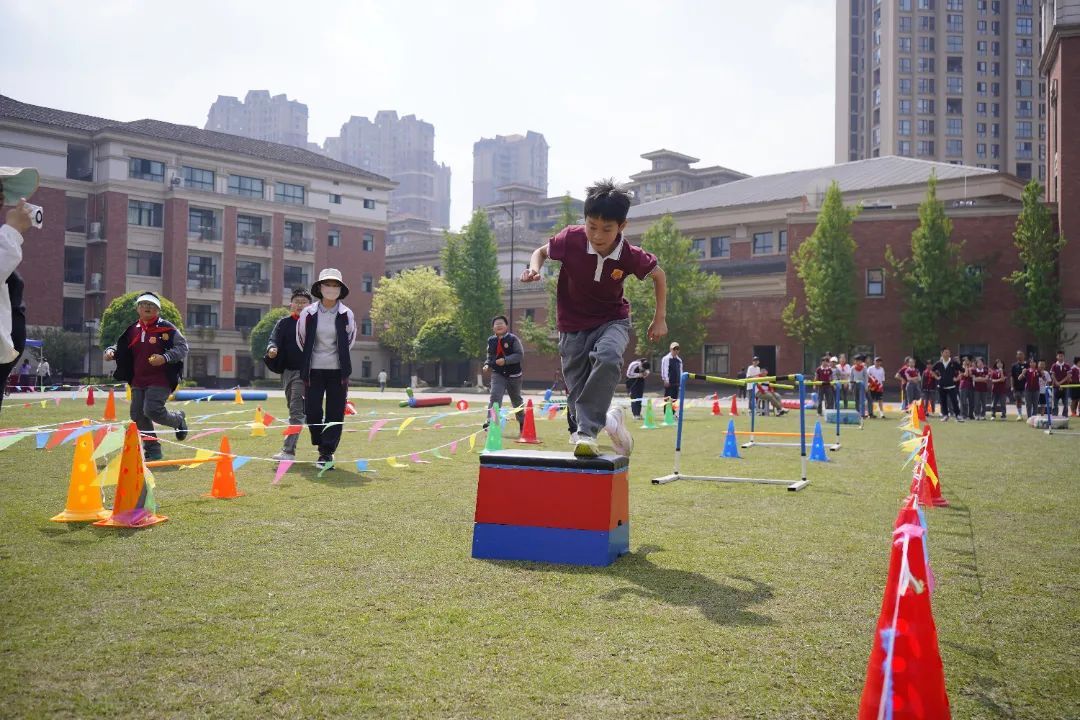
(1050,397)
(802,420)
(677,473)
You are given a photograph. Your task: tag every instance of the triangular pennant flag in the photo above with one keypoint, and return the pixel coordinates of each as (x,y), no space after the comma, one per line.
(110,475)
(282,468)
(111,442)
(42,438)
(240,461)
(43,402)
(292,430)
(62,432)
(362,466)
(438,454)
(326,468)
(202,456)
(453,447)
(472,441)
(415,457)
(268,419)
(204,433)
(405,424)
(375,427)
(9,440)
(392,462)
(78,432)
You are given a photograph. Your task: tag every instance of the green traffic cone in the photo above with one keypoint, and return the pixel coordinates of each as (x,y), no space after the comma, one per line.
(649,423)
(669,413)
(494,431)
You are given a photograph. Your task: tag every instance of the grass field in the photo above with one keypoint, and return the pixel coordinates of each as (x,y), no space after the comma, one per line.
(354,595)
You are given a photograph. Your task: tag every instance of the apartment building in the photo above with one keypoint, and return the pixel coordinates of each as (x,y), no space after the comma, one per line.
(955,81)
(261,117)
(525,207)
(671,174)
(508,160)
(221,225)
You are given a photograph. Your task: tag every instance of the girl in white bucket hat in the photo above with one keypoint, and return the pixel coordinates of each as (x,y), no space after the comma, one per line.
(325,332)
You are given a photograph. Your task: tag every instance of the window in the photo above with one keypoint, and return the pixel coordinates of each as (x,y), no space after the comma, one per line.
(365,368)
(73,315)
(905,45)
(198,178)
(201,272)
(204,316)
(976,272)
(368,242)
(245,186)
(875,282)
(1023,26)
(781,242)
(144,262)
(980,27)
(980,47)
(294,231)
(904,5)
(954,85)
(904,127)
(335,199)
(904,148)
(367,284)
(1024,150)
(926,4)
(982,89)
(926,24)
(295,277)
(697,247)
(74,264)
(954,106)
(980,129)
(925,148)
(905,24)
(76,214)
(926,127)
(926,86)
(905,89)
(980,109)
(1023,129)
(78,163)
(954,23)
(926,64)
(289,193)
(147,214)
(1023,88)
(980,150)
(1023,47)
(365,327)
(995,151)
(905,65)
(954,148)
(203,223)
(954,126)
(720,247)
(369,204)
(140,169)
(717,360)
(248,226)
(1023,67)
(247,317)
(248,271)
(981,68)
(333,238)
(762,244)
(1023,108)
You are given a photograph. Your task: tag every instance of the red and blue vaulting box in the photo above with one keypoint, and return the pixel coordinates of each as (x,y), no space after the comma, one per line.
(552,507)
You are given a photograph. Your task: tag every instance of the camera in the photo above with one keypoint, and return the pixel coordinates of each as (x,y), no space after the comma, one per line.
(37,215)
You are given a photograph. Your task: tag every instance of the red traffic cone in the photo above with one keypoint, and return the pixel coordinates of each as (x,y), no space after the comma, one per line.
(930,457)
(715,404)
(90,396)
(905,679)
(528,429)
(224,484)
(734,405)
(110,407)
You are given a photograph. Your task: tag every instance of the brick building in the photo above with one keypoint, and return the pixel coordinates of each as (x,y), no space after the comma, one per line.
(220,224)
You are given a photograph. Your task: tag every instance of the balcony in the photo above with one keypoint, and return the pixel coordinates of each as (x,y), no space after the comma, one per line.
(96,284)
(204,282)
(294,282)
(257,239)
(300,244)
(253,287)
(205,234)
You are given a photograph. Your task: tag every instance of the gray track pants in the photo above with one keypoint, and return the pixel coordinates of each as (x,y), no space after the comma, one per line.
(500,386)
(148,407)
(294,397)
(592,367)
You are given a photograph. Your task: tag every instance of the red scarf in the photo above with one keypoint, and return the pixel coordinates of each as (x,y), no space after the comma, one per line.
(295,315)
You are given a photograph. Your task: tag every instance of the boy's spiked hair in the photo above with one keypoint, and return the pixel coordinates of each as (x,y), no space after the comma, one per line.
(607,200)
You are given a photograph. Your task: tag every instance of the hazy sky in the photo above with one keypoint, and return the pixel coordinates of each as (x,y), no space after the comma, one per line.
(743,83)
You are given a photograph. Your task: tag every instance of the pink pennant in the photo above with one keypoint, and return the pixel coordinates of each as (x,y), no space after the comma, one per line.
(57,402)
(415,457)
(282,468)
(204,433)
(438,426)
(453,447)
(375,428)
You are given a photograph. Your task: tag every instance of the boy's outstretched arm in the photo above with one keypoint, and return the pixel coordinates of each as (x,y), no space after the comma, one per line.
(536,263)
(658,326)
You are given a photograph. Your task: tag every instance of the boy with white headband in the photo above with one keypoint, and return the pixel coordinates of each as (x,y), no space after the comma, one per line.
(150,357)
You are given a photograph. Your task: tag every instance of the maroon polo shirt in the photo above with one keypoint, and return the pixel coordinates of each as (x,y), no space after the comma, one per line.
(590,291)
(978,377)
(142,347)
(999,384)
(1060,371)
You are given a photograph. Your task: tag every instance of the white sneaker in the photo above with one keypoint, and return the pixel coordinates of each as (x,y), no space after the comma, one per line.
(573,438)
(586,447)
(283,456)
(620,436)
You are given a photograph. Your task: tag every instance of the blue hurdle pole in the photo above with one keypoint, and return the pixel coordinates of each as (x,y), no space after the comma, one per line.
(678,425)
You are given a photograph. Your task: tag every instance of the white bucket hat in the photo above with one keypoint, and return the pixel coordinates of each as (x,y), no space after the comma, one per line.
(18,183)
(329,274)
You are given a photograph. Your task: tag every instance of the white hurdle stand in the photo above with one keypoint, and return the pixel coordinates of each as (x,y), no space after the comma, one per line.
(677,474)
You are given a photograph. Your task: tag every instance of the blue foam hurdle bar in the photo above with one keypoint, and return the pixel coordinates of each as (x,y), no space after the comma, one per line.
(554,545)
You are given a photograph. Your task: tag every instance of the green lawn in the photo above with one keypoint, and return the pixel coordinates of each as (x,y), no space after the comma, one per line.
(353,595)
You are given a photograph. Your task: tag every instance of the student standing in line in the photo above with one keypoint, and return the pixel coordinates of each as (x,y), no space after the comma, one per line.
(947,372)
(999,390)
(1017,375)
(636,373)
(980,380)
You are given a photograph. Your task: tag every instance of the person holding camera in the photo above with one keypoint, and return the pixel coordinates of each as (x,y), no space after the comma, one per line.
(16,184)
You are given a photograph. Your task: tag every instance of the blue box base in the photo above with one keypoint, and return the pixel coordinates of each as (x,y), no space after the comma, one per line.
(553,545)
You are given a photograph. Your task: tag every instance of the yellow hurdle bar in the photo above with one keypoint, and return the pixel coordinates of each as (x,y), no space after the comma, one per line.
(181,461)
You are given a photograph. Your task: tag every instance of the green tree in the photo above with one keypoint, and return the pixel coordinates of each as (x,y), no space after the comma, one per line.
(402,304)
(470,264)
(439,341)
(64,350)
(260,334)
(691,292)
(936,286)
(543,337)
(121,314)
(825,263)
(1038,284)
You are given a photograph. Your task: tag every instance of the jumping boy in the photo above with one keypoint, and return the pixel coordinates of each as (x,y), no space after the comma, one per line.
(150,357)
(593,317)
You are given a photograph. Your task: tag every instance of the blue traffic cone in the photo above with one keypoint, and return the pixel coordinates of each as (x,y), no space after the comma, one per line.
(817,450)
(731,445)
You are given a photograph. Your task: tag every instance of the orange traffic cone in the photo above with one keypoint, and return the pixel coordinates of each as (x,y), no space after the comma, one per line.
(528,429)
(90,396)
(930,458)
(734,405)
(716,404)
(133,505)
(224,485)
(110,407)
(83,498)
(905,677)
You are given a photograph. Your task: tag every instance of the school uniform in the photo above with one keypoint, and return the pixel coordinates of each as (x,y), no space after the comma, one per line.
(506,378)
(288,363)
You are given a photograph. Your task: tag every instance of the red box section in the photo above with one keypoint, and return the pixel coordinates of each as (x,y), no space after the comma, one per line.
(555,499)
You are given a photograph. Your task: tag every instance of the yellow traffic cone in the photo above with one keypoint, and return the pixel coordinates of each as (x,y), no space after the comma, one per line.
(239,399)
(83,498)
(258,429)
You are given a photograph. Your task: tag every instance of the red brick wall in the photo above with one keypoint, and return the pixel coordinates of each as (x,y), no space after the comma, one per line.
(1067,72)
(115,227)
(42,266)
(228,270)
(174,253)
